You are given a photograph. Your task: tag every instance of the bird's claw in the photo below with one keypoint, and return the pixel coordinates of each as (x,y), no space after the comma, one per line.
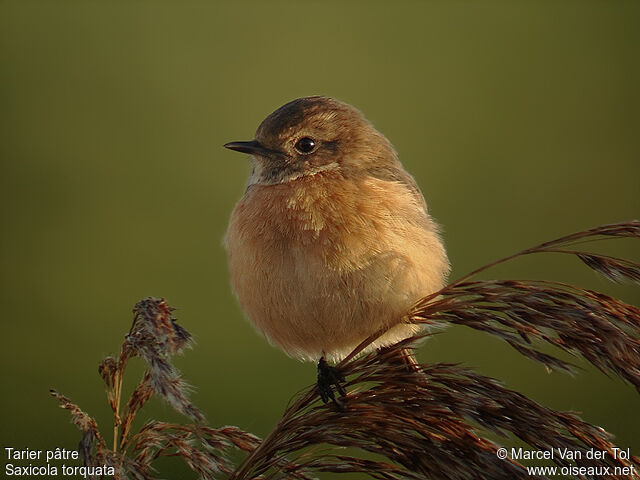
(329,378)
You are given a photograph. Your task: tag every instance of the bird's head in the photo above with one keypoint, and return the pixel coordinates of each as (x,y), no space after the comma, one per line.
(314,134)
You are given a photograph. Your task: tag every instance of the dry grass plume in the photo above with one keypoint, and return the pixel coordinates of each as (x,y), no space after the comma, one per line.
(421,421)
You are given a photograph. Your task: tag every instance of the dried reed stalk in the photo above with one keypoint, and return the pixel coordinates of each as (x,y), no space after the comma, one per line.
(155,337)
(400,419)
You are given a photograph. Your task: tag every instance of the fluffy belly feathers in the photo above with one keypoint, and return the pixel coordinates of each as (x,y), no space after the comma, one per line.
(317,274)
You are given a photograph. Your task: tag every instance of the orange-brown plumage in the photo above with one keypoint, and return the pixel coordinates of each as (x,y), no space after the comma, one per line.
(327,247)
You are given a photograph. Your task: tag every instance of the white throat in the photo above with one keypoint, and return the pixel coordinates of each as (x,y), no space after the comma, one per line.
(265,176)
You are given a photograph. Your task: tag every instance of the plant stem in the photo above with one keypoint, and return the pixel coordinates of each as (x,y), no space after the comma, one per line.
(255,458)
(116,414)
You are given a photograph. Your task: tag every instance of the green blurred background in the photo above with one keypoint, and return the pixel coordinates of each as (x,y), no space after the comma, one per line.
(520,121)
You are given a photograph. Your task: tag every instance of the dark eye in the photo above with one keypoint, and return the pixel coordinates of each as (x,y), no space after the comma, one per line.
(305,145)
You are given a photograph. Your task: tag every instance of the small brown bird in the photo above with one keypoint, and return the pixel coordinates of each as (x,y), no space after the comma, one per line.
(331,241)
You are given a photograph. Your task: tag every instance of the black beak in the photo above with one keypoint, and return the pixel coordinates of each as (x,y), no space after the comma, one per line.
(252,148)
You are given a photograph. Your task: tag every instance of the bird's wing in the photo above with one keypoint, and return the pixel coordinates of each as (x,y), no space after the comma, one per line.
(395,173)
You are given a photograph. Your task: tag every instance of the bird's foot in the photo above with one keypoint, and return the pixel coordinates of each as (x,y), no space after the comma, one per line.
(329,378)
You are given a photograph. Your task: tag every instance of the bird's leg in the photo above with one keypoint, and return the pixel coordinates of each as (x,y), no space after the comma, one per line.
(328,378)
